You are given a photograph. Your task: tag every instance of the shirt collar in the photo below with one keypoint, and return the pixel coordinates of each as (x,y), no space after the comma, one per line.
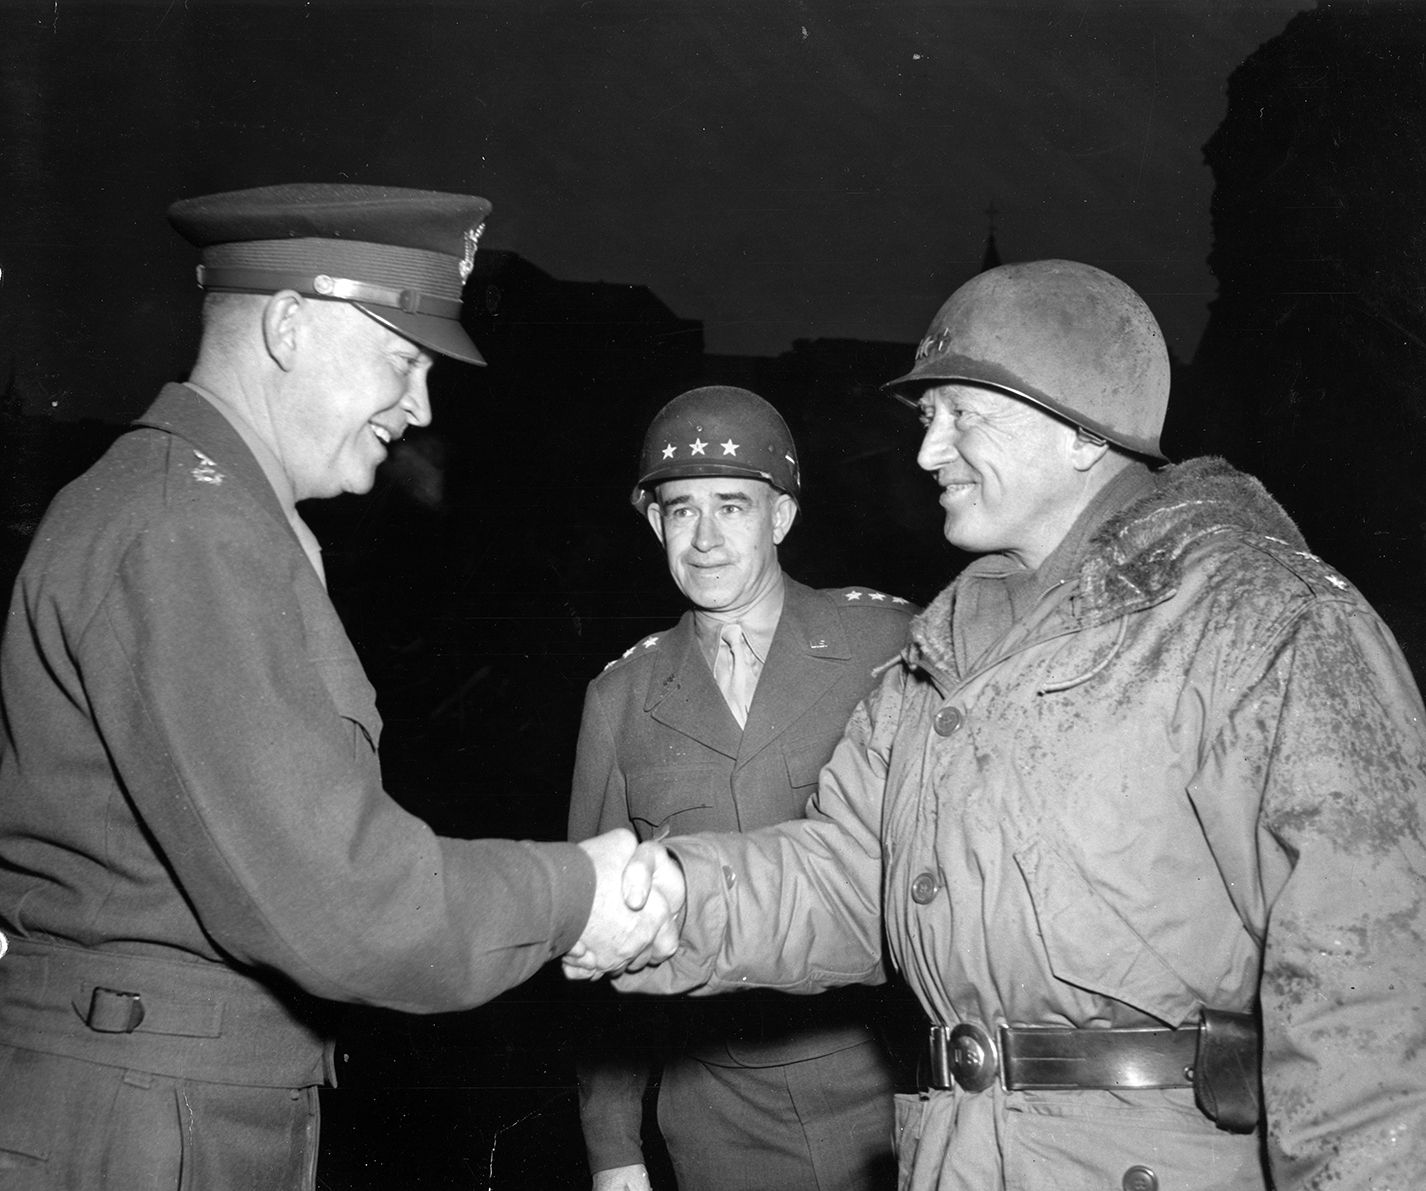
(759,623)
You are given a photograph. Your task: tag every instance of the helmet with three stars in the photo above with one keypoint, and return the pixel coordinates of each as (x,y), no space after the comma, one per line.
(717,430)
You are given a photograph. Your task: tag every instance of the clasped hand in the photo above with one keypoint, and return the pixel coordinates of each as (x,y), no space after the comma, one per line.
(638,896)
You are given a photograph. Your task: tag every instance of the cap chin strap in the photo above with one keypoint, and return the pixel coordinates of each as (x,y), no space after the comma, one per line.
(267,281)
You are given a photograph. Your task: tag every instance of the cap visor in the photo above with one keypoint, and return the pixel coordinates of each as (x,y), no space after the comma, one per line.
(444,336)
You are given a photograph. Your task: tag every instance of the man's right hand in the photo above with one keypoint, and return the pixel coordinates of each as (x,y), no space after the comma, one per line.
(623,1178)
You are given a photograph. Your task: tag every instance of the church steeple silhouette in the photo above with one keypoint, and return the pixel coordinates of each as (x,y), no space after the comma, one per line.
(991,257)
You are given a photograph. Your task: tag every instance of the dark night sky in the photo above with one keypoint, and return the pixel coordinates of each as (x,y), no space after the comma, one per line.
(779,169)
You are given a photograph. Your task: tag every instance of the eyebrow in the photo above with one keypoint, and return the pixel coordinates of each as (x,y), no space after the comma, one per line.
(736,494)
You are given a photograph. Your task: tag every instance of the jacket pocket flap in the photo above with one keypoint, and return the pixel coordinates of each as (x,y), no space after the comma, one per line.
(1092,946)
(353,694)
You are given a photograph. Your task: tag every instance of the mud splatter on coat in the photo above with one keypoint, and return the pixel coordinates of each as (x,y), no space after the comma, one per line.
(1192,776)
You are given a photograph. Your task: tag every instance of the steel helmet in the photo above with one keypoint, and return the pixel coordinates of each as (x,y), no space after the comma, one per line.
(717,431)
(1067,337)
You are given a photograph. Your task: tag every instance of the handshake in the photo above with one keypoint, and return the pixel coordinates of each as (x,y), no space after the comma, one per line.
(639,894)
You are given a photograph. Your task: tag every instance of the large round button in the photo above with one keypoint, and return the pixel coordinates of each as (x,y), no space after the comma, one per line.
(924,888)
(948,720)
(1140,1178)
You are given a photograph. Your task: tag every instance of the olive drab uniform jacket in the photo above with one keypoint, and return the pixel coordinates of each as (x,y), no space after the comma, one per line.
(1192,776)
(190,797)
(659,749)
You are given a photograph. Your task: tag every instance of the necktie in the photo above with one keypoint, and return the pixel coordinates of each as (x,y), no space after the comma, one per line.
(736,671)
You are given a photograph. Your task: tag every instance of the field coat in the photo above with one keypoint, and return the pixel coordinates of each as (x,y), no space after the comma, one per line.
(1191,776)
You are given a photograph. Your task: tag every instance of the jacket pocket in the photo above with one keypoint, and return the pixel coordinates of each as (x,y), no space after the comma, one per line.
(355,700)
(805,759)
(682,798)
(1092,946)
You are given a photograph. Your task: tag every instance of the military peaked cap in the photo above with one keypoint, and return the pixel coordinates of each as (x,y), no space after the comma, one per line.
(398,255)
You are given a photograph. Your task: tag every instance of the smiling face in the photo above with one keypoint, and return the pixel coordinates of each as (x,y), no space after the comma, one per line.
(353,388)
(1013,478)
(720,535)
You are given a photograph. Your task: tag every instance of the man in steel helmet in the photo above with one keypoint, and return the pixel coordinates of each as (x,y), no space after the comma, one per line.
(1139,814)
(722,723)
(196,853)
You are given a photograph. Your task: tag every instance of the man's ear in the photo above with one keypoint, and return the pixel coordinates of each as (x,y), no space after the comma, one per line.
(784,513)
(655,517)
(280,317)
(1087,449)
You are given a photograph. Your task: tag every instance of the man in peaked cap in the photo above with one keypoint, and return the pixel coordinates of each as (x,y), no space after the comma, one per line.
(1139,813)
(196,853)
(722,723)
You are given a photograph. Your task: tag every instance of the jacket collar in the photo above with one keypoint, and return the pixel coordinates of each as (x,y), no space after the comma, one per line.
(180,411)
(682,694)
(1135,559)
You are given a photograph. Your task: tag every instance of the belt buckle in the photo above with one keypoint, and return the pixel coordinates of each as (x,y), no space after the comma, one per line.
(114,1012)
(974,1060)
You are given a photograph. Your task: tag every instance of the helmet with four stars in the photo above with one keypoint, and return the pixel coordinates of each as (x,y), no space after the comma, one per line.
(717,430)
(1062,335)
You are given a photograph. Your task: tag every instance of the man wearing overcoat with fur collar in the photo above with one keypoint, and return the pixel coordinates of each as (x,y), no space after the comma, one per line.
(1138,815)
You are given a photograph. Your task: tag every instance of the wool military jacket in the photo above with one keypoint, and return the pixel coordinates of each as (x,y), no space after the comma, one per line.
(188,766)
(659,748)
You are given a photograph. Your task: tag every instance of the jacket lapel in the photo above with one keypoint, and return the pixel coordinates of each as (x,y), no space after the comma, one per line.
(683,696)
(807,657)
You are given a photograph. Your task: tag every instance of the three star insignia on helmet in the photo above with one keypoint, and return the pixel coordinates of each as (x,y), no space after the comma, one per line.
(699,447)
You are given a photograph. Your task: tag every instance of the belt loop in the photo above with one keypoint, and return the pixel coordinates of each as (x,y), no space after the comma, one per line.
(113,1012)
(940,1056)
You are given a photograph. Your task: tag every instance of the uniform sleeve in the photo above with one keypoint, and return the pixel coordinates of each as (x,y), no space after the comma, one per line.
(1333,738)
(263,794)
(614,1063)
(794,907)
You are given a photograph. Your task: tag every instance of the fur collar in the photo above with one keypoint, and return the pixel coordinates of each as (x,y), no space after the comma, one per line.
(1135,559)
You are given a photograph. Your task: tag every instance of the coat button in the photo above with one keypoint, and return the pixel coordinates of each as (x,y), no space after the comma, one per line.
(948,720)
(924,888)
(1140,1178)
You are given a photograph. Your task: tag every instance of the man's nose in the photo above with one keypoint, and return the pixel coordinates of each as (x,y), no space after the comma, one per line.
(938,446)
(706,536)
(417,402)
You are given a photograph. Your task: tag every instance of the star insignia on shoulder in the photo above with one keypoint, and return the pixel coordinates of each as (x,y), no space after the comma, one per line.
(207,471)
(646,643)
(897,600)
(698,446)
(854,595)
(876,595)
(729,447)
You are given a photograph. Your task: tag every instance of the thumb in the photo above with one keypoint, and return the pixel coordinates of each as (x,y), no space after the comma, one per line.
(638,878)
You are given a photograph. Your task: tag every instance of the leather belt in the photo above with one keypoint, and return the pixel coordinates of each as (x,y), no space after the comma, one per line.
(1048,1058)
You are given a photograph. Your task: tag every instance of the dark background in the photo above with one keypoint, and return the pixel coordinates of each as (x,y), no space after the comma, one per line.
(774,194)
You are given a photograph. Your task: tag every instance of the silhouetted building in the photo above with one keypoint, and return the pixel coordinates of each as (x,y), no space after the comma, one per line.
(1312,369)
